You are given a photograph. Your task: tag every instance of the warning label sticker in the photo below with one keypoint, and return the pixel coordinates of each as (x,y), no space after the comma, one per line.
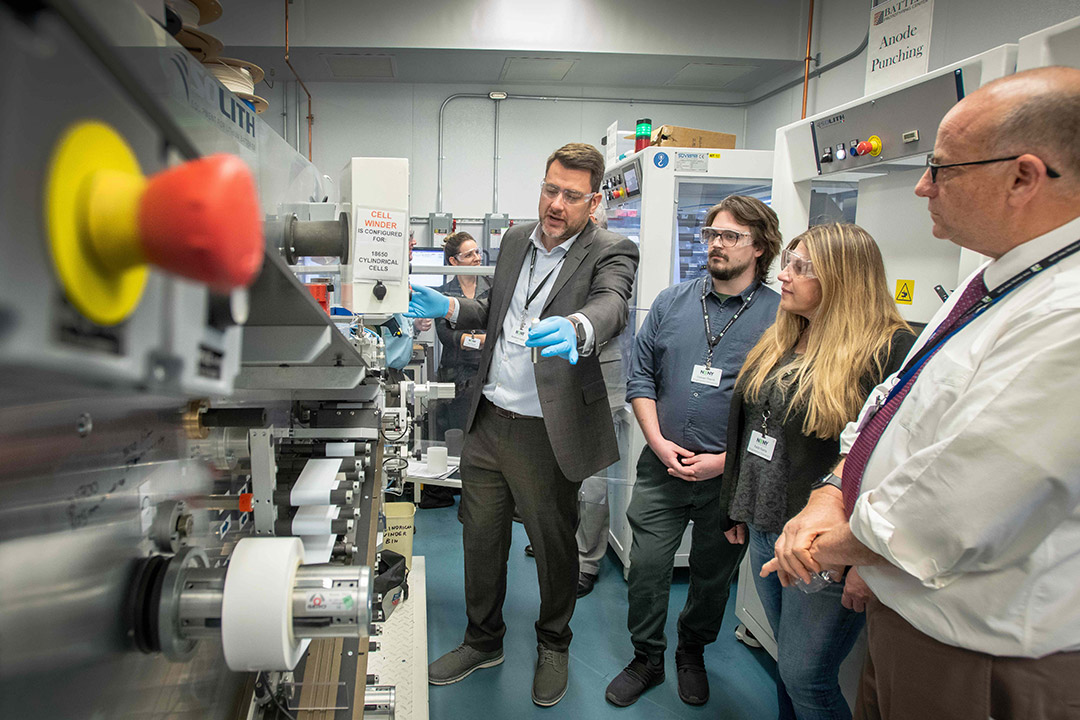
(905,291)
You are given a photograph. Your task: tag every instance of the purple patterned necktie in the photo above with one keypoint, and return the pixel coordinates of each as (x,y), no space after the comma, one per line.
(860,452)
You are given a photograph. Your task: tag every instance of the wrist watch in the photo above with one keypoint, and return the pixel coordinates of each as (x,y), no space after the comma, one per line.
(829,479)
(579,331)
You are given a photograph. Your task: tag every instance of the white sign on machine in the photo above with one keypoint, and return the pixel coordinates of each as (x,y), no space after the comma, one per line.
(899,42)
(379,244)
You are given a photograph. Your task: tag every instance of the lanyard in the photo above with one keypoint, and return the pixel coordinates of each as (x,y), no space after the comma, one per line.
(713,342)
(532,269)
(977,309)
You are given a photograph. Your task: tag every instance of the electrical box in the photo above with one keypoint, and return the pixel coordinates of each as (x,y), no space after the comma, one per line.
(494,228)
(439,226)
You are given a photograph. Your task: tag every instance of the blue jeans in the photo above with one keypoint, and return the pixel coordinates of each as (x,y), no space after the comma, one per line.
(814,633)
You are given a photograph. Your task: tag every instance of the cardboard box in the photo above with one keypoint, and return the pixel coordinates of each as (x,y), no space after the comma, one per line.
(675,136)
(398,535)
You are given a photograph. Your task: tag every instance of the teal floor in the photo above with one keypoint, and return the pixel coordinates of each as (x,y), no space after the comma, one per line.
(742,680)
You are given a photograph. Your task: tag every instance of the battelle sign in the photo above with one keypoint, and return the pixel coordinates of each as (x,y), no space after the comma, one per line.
(899,43)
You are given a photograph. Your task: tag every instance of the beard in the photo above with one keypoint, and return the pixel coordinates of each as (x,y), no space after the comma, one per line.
(729,272)
(567,232)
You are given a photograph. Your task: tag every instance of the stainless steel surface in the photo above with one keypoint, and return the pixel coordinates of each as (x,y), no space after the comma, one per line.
(263,479)
(380,702)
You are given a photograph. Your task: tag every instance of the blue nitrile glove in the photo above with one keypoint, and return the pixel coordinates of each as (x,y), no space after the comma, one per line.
(557,336)
(427,303)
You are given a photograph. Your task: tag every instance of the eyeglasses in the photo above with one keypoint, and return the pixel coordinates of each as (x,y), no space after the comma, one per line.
(800,266)
(933,167)
(728,238)
(570,197)
(474,253)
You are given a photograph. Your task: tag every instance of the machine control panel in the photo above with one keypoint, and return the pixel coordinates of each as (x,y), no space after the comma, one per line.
(622,184)
(898,125)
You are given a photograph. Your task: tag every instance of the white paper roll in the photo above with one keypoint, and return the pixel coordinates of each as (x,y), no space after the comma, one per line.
(256,607)
(187,10)
(341,449)
(315,520)
(313,485)
(436,460)
(317,548)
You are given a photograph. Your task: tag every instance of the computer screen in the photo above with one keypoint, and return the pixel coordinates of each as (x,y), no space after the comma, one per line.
(427,257)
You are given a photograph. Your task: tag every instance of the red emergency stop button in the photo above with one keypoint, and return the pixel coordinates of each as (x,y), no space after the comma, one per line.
(201,220)
(871,146)
(107,223)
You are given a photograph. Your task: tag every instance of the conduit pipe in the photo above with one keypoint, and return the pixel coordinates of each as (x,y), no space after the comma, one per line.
(310,117)
(807,59)
(623,101)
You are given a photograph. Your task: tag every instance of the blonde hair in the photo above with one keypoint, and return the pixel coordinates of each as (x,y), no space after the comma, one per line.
(853,330)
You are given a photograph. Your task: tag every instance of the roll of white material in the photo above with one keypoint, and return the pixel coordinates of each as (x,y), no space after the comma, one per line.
(187,10)
(236,79)
(315,520)
(341,449)
(315,481)
(436,460)
(256,607)
(317,548)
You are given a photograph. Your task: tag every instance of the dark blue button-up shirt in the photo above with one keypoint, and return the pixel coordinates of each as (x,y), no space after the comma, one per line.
(672,341)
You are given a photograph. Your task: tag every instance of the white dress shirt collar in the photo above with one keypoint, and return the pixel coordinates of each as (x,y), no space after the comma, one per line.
(538,243)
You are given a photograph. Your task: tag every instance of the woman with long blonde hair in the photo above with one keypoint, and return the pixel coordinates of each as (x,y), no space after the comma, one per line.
(837,335)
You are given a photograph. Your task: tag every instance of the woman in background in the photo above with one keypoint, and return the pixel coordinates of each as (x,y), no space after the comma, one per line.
(837,335)
(460,360)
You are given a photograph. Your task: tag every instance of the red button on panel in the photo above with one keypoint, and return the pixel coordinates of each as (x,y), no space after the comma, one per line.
(201,220)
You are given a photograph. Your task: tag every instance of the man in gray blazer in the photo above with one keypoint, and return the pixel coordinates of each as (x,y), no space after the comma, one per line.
(539,428)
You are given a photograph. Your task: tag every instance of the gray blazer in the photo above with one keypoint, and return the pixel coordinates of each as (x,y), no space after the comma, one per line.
(595,280)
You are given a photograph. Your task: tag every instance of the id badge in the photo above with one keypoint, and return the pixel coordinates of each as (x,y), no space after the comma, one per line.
(472,342)
(519,336)
(706,376)
(761,445)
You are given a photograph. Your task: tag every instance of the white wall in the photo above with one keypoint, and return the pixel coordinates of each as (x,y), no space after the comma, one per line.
(961,28)
(401,120)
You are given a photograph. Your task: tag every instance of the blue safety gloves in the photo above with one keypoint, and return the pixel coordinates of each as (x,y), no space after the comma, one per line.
(427,303)
(557,336)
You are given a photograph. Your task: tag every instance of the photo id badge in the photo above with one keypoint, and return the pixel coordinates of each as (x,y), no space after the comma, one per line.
(706,376)
(519,336)
(761,445)
(472,342)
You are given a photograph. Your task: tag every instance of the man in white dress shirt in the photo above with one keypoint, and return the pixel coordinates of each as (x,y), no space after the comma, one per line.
(962,477)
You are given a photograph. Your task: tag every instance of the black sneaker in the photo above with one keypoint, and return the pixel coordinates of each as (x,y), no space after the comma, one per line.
(693,680)
(636,678)
(585,583)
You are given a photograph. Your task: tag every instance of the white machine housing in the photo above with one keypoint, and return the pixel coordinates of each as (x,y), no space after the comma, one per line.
(886,205)
(1056,45)
(381,185)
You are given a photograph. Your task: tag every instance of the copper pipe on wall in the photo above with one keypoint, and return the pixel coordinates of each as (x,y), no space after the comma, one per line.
(311,118)
(806,60)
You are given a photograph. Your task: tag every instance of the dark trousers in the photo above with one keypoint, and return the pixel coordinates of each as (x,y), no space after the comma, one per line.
(660,508)
(508,462)
(908,674)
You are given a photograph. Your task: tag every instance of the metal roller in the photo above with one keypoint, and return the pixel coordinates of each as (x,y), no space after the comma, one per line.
(184,599)
(317,238)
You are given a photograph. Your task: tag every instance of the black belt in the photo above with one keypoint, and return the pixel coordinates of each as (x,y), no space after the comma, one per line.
(508,414)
